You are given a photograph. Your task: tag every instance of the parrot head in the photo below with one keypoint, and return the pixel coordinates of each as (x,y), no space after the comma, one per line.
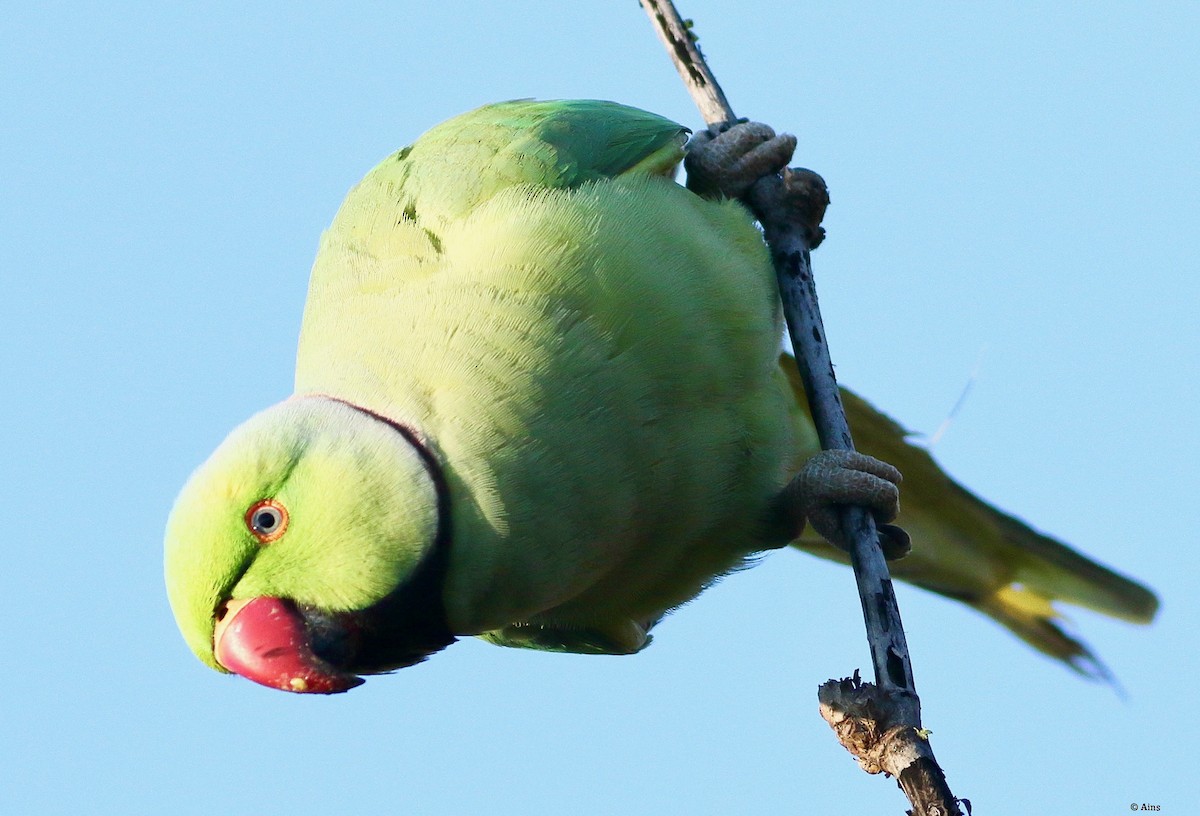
(310,548)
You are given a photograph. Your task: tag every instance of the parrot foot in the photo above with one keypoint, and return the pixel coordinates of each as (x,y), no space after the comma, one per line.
(728,161)
(840,477)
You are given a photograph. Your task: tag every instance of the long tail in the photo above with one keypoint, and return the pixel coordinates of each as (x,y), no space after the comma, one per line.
(968,550)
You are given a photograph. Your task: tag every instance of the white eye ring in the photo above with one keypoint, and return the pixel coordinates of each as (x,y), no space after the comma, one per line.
(267,519)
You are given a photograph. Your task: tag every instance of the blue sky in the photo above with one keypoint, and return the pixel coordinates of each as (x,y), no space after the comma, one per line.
(1014,189)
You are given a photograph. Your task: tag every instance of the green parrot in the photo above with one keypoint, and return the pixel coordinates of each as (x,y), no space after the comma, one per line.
(539,399)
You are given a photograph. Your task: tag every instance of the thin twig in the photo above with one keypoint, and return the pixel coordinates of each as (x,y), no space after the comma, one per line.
(676,36)
(883,721)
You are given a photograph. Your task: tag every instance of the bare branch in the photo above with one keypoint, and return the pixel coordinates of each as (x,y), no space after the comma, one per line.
(790,208)
(676,36)
(881,737)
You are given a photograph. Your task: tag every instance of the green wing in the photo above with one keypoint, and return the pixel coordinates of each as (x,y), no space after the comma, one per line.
(462,163)
(400,212)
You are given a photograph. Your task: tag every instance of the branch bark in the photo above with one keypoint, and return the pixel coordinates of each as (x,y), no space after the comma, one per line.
(881,723)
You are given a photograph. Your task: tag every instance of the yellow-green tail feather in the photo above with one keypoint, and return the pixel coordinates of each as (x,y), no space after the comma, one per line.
(968,550)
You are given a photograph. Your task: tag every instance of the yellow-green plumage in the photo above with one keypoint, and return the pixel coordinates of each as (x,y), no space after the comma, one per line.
(589,352)
(347,544)
(594,363)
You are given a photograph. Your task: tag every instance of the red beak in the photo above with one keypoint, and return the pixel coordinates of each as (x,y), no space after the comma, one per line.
(265,640)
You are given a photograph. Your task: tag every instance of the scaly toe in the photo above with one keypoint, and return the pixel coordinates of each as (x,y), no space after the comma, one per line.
(832,478)
(730,162)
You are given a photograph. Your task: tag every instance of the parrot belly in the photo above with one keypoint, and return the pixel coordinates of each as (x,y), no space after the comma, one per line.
(595,368)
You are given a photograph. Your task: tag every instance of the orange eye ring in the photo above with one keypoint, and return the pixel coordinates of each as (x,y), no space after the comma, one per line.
(267,520)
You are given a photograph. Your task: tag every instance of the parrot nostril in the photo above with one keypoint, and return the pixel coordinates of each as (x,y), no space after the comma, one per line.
(222,611)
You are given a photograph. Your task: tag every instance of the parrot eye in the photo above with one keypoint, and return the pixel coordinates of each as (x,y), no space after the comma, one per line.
(267,519)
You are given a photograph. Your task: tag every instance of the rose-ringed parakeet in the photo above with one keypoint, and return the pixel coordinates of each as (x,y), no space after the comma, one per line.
(539,399)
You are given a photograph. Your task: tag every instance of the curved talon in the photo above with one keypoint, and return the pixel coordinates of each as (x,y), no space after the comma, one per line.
(839,477)
(894,541)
